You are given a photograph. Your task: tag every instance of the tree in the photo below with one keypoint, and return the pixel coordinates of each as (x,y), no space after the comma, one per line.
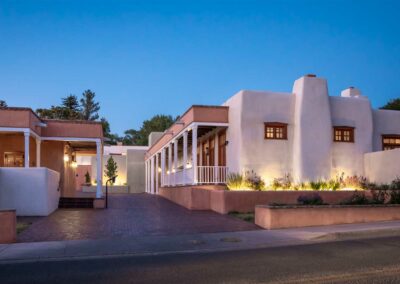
(157,123)
(111,168)
(393,104)
(3,103)
(89,107)
(131,137)
(72,109)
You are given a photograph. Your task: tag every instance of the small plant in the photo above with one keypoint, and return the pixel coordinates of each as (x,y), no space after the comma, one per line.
(379,196)
(358,182)
(394,197)
(358,198)
(111,168)
(253,181)
(87,178)
(235,181)
(282,183)
(313,199)
(395,185)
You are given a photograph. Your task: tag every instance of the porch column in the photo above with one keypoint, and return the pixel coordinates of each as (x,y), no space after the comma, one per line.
(194,153)
(170,164)
(163,167)
(99,154)
(216,155)
(175,161)
(152,175)
(156,173)
(145,175)
(38,143)
(26,136)
(185,146)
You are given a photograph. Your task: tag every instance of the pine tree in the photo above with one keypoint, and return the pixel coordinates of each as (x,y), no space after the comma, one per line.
(111,168)
(90,108)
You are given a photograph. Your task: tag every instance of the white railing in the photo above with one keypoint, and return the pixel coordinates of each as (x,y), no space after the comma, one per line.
(211,174)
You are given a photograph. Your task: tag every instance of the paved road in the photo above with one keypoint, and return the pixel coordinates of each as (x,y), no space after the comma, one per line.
(361,261)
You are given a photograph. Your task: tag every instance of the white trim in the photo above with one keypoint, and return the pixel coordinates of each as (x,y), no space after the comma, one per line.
(97,140)
(191,125)
(24,130)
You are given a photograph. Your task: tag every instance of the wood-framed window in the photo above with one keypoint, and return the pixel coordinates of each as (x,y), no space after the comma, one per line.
(275,130)
(343,134)
(390,141)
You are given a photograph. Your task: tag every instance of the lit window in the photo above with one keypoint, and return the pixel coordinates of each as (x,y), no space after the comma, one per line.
(343,134)
(275,130)
(390,142)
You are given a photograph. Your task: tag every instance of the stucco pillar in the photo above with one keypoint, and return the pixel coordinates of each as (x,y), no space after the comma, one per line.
(152,185)
(185,154)
(194,153)
(157,173)
(145,175)
(99,164)
(175,160)
(170,164)
(163,167)
(26,144)
(312,139)
(217,172)
(38,144)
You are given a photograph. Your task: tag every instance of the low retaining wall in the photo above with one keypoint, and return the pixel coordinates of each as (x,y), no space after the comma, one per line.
(8,226)
(225,201)
(279,217)
(31,191)
(111,189)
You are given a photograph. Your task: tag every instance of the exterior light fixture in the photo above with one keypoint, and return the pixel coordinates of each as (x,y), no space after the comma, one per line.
(159,169)
(66,158)
(74,164)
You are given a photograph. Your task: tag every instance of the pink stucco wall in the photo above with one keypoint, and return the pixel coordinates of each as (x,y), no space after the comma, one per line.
(8,223)
(270,217)
(224,201)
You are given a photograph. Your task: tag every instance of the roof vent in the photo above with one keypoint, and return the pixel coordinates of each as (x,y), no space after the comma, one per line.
(351,92)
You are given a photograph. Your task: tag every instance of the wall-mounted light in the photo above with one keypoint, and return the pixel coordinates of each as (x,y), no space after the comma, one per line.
(159,169)
(66,158)
(74,164)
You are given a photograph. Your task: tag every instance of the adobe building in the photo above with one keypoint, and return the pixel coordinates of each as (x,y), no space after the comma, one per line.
(305,134)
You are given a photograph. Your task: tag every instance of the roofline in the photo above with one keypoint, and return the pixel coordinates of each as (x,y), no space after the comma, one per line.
(22,109)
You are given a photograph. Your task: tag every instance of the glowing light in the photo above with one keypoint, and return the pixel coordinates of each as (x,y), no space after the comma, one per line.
(159,169)
(66,158)
(74,164)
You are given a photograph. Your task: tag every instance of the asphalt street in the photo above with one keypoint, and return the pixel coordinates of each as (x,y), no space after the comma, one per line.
(356,261)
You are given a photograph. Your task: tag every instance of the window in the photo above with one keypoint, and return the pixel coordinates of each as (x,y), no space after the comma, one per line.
(390,142)
(343,134)
(275,130)
(13,159)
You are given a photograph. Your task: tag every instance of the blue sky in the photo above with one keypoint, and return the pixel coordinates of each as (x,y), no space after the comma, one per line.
(148,57)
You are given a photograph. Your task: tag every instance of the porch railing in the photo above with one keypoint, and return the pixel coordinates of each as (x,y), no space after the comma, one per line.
(212,174)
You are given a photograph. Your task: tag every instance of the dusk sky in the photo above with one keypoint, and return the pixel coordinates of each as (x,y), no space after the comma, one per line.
(160,57)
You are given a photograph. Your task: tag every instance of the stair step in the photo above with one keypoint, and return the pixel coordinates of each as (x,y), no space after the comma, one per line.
(79,202)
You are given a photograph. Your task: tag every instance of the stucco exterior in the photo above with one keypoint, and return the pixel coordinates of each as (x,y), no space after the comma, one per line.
(309,153)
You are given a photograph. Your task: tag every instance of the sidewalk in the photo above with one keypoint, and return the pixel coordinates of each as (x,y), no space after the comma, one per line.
(145,245)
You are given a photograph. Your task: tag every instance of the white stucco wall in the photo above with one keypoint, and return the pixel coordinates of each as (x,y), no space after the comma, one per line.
(136,171)
(382,166)
(31,191)
(247,148)
(348,158)
(385,122)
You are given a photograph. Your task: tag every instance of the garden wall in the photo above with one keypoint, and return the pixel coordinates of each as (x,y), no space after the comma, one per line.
(279,217)
(224,201)
(383,166)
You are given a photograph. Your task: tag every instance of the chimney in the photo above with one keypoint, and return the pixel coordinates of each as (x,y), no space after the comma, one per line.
(351,92)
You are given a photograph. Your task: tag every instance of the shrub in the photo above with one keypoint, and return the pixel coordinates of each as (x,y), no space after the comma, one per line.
(394,197)
(253,181)
(283,183)
(395,185)
(87,178)
(378,196)
(355,181)
(358,198)
(235,181)
(313,199)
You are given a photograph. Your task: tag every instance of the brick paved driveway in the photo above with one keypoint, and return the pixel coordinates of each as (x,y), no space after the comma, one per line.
(128,216)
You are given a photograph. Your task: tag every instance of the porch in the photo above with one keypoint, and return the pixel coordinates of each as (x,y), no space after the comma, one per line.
(190,152)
